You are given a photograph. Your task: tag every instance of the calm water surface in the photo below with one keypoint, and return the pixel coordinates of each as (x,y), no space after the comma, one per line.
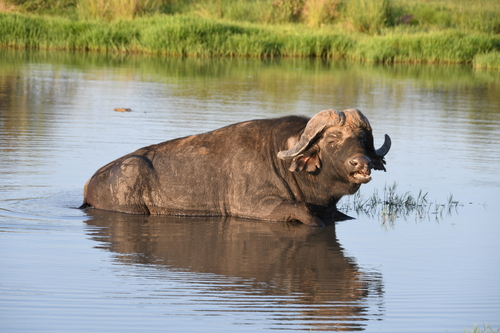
(63,269)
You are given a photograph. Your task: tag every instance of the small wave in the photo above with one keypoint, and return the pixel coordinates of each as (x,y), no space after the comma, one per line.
(60,206)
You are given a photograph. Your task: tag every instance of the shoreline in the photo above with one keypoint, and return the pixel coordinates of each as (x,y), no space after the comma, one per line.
(188,36)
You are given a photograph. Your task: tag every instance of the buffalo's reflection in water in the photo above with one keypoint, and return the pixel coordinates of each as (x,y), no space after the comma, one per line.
(298,277)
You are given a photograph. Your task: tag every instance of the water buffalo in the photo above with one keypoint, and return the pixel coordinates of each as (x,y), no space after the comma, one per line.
(284,169)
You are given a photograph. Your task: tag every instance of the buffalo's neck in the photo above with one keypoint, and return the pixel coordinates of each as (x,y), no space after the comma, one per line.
(321,191)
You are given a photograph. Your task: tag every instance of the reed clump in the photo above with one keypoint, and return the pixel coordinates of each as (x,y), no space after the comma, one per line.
(391,205)
(484,329)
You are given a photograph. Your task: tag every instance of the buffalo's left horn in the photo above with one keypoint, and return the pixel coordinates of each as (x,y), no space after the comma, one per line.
(313,128)
(382,151)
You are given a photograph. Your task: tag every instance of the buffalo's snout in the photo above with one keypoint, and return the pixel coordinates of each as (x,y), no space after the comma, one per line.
(359,162)
(359,167)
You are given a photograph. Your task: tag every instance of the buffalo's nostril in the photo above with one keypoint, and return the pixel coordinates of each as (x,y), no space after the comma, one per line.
(359,162)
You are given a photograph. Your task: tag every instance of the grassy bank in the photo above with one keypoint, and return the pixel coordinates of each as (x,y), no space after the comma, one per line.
(383,32)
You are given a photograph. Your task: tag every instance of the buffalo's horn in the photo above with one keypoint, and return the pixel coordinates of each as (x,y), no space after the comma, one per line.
(313,128)
(382,151)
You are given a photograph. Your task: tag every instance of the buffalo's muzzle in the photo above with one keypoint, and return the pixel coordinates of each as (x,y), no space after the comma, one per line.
(358,168)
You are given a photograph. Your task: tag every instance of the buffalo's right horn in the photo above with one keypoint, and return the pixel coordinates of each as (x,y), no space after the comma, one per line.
(313,128)
(382,151)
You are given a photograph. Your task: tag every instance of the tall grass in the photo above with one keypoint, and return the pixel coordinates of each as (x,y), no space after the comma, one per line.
(369,16)
(320,12)
(41,6)
(490,60)
(469,16)
(360,30)
(191,36)
(113,9)
(287,10)
(235,10)
(362,15)
(169,35)
(19,31)
(438,47)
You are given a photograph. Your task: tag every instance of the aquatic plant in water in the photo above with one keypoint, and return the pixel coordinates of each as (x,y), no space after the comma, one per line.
(392,205)
(485,329)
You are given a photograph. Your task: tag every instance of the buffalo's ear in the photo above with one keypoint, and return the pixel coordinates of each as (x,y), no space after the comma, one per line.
(308,162)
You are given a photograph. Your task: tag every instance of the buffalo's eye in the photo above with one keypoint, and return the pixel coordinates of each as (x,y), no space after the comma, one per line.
(333,137)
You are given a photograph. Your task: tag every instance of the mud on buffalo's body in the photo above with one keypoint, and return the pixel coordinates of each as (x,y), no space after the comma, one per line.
(283,169)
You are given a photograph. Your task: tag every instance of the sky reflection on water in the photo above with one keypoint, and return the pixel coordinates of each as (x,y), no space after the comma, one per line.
(72,270)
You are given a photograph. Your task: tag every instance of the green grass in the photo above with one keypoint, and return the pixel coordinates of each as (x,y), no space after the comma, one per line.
(361,15)
(194,36)
(373,31)
(369,16)
(169,35)
(468,16)
(489,60)
(438,47)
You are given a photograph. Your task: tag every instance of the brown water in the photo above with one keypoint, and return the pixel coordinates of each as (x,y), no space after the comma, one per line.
(63,269)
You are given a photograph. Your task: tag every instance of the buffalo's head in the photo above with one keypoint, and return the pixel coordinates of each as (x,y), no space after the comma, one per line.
(339,141)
